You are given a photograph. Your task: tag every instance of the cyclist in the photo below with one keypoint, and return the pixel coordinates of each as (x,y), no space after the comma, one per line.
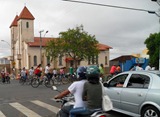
(113,70)
(47,71)
(38,71)
(61,72)
(76,88)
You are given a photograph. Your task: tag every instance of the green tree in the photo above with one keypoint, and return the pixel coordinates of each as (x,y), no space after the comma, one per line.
(153,45)
(74,43)
(53,49)
(78,44)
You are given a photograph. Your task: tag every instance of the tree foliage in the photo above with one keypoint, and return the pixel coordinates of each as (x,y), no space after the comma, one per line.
(75,43)
(79,44)
(153,45)
(53,49)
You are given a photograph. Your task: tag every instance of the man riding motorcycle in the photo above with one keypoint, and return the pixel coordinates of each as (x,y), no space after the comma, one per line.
(76,88)
(92,93)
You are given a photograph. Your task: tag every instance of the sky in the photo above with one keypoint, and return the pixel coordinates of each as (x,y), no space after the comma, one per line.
(123,29)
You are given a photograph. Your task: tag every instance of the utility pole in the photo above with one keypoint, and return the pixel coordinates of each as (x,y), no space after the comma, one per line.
(41,44)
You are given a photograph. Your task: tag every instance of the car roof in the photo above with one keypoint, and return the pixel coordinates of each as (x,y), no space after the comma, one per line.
(145,71)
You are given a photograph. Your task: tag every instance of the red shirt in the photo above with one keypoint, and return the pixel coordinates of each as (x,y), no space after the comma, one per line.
(113,69)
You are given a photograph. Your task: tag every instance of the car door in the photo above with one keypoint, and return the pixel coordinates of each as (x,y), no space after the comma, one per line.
(113,91)
(133,95)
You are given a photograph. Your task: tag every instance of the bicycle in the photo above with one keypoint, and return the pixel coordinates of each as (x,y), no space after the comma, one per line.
(36,81)
(71,77)
(60,79)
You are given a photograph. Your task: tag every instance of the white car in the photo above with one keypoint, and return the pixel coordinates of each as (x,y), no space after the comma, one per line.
(135,93)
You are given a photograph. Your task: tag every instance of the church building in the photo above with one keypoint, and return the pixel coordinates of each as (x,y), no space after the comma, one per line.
(28,51)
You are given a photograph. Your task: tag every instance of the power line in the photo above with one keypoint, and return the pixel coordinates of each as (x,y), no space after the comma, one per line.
(106,5)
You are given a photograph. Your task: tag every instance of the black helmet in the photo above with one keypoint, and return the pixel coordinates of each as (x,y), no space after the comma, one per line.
(93,73)
(81,72)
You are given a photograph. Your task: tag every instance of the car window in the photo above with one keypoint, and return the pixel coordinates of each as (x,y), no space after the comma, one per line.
(138,81)
(118,81)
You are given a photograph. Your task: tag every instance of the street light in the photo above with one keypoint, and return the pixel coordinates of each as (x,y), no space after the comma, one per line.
(41,44)
(158,1)
(6,42)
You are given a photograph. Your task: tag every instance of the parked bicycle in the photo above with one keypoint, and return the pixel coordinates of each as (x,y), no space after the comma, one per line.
(36,81)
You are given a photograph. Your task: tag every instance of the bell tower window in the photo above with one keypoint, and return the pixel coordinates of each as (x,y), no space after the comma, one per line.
(27,24)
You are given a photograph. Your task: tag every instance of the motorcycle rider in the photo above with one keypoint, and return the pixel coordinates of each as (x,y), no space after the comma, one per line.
(76,88)
(92,93)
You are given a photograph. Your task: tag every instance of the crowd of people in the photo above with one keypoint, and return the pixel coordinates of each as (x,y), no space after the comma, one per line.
(5,78)
(49,72)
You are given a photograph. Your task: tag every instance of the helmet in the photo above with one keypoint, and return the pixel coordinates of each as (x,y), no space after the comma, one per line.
(81,72)
(93,73)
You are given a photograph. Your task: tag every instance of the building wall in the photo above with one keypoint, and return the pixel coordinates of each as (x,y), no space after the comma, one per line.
(35,51)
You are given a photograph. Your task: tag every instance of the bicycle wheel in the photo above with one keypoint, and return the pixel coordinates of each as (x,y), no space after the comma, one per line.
(56,81)
(35,82)
(65,80)
(21,81)
(49,83)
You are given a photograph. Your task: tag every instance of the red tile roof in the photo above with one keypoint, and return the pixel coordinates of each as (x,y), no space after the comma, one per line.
(26,14)
(14,23)
(36,43)
(103,47)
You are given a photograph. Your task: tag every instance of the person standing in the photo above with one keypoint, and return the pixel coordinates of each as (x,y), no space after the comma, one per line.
(61,72)
(148,67)
(101,68)
(3,75)
(118,69)
(31,72)
(24,74)
(138,67)
(71,71)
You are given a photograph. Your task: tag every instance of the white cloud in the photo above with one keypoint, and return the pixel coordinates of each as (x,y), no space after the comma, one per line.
(124,30)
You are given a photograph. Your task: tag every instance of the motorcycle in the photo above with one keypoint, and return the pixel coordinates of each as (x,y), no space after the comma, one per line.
(69,101)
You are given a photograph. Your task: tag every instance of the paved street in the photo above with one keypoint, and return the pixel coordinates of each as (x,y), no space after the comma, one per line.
(24,101)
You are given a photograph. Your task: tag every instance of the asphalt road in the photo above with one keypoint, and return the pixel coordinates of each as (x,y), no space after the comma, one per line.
(25,101)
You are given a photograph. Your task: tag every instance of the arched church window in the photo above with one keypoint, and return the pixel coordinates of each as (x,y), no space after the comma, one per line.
(35,60)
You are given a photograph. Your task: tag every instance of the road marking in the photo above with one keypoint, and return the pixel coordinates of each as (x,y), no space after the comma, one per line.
(24,110)
(1,114)
(45,105)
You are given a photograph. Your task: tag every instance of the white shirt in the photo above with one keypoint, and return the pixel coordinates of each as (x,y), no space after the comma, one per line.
(148,68)
(31,71)
(54,71)
(76,89)
(138,68)
(47,68)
